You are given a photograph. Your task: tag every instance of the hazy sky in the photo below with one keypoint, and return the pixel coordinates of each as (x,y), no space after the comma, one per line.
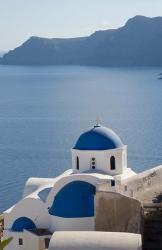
(20,19)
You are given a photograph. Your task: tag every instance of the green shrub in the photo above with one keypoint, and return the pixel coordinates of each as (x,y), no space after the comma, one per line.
(5,242)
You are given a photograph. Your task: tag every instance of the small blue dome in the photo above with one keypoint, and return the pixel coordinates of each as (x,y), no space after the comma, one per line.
(98,138)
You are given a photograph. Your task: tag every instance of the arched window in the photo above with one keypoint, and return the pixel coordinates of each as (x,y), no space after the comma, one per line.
(113,183)
(112,163)
(77,163)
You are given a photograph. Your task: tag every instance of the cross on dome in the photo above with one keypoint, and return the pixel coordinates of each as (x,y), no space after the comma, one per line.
(98,122)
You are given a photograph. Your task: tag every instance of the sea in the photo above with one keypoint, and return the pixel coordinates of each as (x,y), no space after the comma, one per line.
(43,110)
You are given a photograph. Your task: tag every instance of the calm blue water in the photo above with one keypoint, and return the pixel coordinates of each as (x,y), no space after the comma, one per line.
(44,109)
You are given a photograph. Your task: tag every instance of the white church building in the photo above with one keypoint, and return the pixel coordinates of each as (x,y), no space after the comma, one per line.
(67,202)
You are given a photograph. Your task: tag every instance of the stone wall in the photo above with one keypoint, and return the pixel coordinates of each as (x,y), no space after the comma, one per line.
(117,213)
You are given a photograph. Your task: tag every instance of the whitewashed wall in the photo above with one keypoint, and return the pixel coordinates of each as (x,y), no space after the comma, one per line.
(14,244)
(31,208)
(31,241)
(70,224)
(102,160)
(95,241)
(142,182)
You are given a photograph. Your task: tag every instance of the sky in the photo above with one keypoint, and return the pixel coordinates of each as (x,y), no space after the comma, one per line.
(21,19)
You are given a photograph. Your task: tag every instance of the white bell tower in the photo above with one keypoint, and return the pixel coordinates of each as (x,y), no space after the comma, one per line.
(99,150)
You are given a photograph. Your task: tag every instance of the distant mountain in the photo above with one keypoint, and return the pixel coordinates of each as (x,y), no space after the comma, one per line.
(2,53)
(138,43)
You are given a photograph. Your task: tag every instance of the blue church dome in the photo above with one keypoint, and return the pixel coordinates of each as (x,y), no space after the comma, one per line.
(98,138)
